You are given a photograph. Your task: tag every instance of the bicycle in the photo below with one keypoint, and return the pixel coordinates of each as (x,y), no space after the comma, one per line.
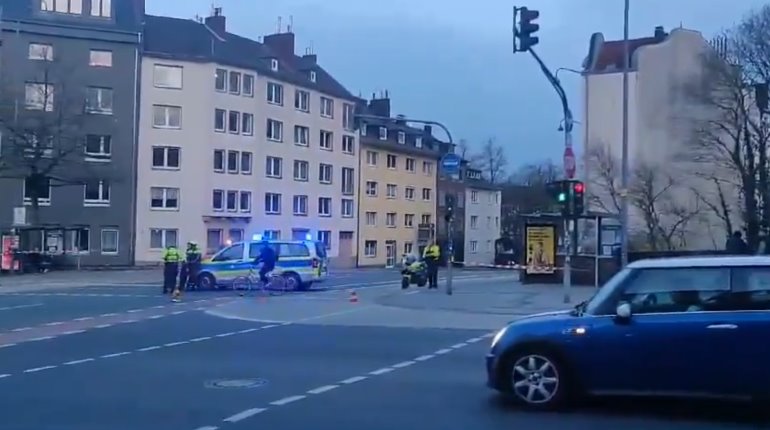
(276,283)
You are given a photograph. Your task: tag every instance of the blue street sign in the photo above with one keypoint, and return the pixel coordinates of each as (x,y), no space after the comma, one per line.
(451,163)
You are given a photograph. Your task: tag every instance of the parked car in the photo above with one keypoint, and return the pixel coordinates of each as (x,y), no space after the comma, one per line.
(669,327)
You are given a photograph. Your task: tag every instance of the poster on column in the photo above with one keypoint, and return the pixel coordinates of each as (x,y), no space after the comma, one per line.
(541,249)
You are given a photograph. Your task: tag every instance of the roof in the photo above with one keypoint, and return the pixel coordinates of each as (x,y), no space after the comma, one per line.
(686,262)
(127,15)
(188,40)
(611,52)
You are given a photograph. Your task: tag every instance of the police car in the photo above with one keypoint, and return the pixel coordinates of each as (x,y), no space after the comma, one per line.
(302,262)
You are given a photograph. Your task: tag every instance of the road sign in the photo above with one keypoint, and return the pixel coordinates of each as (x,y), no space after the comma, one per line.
(450,163)
(569,163)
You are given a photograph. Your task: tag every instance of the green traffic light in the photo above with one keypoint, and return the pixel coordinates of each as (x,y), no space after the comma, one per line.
(562,197)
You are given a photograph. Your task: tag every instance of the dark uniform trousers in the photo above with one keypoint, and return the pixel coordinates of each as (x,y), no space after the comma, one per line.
(170,271)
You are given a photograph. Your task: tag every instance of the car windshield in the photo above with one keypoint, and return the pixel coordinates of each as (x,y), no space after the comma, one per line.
(593,304)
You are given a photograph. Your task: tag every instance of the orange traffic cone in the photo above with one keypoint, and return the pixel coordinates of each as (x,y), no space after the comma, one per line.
(353,297)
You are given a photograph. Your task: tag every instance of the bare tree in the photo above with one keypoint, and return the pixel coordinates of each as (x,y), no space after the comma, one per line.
(42,130)
(536,174)
(603,179)
(492,160)
(715,201)
(463,149)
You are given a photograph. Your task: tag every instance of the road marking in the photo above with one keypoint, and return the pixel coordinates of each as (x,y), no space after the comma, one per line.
(403,364)
(149,348)
(129,321)
(22,329)
(323,389)
(40,338)
(268,326)
(443,351)
(474,340)
(51,324)
(103,326)
(459,345)
(170,344)
(208,428)
(11,308)
(85,360)
(424,357)
(154,317)
(39,369)
(131,311)
(111,314)
(117,354)
(73,332)
(249,330)
(178,312)
(413,292)
(382,371)
(353,380)
(200,339)
(243,415)
(4,375)
(8,345)
(225,334)
(287,400)
(83,319)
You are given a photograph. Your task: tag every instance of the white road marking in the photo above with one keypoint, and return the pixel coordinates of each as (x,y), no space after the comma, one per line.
(178,312)
(103,326)
(353,380)
(149,348)
(22,329)
(225,334)
(424,357)
(443,351)
(83,319)
(207,428)
(403,364)
(412,292)
(323,389)
(129,321)
(382,371)
(108,315)
(8,345)
(117,354)
(159,307)
(38,369)
(459,345)
(10,308)
(40,338)
(51,324)
(250,330)
(170,344)
(267,326)
(131,311)
(200,339)
(154,317)
(474,340)
(243,415)
(287,400)
(85,360)
(73,332)
(4,375)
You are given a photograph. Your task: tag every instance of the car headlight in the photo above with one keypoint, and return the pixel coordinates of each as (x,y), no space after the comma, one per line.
(499,335)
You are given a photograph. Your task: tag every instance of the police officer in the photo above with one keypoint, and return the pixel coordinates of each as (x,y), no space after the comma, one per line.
(191,266)
(431,256)
(171,259)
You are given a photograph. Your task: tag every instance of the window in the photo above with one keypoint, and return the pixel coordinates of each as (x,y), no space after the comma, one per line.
(98,147)
(163,237)
(474,246)
(234,82)
(302,100)
(74,7)
(327,107)
(489,246)
(164,198)
(220,80)
(247,126)
(751,289)
(101,8)
(99,100)
(325,173)
(391,161)
(39,96)
(233,121)
(233,253)
(110,239)
(489,222)
(401,137)
(213,240)
(301,135)
(409,193)
(96,193)
(677,290)
(274,93)
(348,181)
(347,209)
(474,221)
(362,129)
(273,235)
(348,144)
(371,218)
(231,201)
(390,219)
(427,168)
(371,188)
(166,116)
(165,157)
(232,161)
(497,222)
(43,192)
(220,120)
(274,64)
(100,58)
(244,203)
(274,130)
(410,165)
(301,169)
(324,206)
(78,240)
(219,160)
(40,51)
(392,191)
(425,219)
(218,200)
(408,248)
(273,167)
(272,203)
(474,196)
(348,116)
(235,235)
(409,220)
(164,76)
(246,158)
(426,194)
(326,140)
(418,142)
(383,133)
(370,248)
(300,205)
(371,158)
(325,237)
(248,85)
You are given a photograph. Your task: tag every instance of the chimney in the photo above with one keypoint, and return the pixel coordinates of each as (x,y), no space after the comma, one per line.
(660,33)
(282,44)
(380,106)
(400,119)
(428,131)
(216,22)
(310,59)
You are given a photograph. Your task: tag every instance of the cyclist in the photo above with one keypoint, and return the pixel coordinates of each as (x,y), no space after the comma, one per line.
(267,257)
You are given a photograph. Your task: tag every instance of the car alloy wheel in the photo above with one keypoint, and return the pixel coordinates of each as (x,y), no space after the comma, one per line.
(535,379)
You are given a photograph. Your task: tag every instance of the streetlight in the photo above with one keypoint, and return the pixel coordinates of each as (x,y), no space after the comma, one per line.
(624,147)
(561,124)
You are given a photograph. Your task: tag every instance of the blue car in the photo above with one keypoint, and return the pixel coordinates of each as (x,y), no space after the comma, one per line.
(693,327)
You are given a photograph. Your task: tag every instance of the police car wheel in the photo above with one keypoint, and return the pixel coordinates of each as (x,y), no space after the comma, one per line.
(293,281)
(206,282)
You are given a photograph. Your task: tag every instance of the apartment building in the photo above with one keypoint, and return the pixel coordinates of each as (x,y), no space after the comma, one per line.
(69,75)
(240,138)
(397,196)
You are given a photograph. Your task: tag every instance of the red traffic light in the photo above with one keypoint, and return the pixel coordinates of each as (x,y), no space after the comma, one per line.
(578,187)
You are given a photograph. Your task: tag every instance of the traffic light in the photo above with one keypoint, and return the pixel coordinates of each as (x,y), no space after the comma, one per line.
(578,198)
(527,29)
(449,201)
(569,196)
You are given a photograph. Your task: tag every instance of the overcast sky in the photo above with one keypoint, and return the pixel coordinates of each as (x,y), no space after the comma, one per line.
(451,60)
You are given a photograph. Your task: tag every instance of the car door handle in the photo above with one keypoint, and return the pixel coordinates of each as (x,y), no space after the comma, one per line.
(722,326)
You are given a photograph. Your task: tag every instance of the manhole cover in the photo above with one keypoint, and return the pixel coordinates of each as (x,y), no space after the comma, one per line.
(236,383)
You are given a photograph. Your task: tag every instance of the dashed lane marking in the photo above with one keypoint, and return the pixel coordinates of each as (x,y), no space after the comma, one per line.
(39,369)
(323,389)
(240,416)
(117,354)
(11,308)
(382,371)
(353,380)
(287,400)
(404,364)
(73,362)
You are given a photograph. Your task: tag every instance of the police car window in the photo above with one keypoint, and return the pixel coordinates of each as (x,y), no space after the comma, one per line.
(294,250)
(751,288)
(234,252)
(254,249)
(320,250)
(678,290)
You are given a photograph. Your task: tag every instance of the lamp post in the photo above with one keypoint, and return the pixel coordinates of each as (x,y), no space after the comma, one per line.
(624,148)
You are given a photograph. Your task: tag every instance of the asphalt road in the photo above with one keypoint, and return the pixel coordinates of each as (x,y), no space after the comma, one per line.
(125,358)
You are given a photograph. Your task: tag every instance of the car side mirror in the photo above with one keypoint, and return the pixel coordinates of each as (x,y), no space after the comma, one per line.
(623,311)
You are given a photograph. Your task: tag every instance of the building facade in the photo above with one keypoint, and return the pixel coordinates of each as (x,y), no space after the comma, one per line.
(397,192)
(69,76)
(240,138)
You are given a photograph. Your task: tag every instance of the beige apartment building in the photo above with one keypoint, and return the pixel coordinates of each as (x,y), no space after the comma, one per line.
(397,192)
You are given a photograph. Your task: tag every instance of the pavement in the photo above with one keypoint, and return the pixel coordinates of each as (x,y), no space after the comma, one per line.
(110,352)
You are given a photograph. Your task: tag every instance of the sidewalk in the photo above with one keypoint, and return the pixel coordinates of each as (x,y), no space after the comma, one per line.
(74,279)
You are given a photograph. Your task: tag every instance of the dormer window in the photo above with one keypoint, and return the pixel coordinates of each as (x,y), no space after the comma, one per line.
(274,64)
(401,137)
(418,142)
(313,76)
(383,133)
(74,7)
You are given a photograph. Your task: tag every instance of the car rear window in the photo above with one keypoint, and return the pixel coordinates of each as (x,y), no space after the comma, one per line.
(320,250)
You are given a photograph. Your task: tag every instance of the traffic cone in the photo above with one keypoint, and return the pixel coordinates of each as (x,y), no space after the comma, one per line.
(353,297)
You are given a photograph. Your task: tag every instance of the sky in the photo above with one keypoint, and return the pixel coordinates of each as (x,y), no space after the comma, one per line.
(451,61)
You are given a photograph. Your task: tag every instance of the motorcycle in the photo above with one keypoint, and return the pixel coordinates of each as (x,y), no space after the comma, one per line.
(415,273)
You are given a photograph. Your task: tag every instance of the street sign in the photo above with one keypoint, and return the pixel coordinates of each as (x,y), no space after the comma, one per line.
(569,163)
(450,163)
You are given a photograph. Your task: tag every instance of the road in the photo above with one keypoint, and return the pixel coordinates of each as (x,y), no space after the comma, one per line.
(122,357)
